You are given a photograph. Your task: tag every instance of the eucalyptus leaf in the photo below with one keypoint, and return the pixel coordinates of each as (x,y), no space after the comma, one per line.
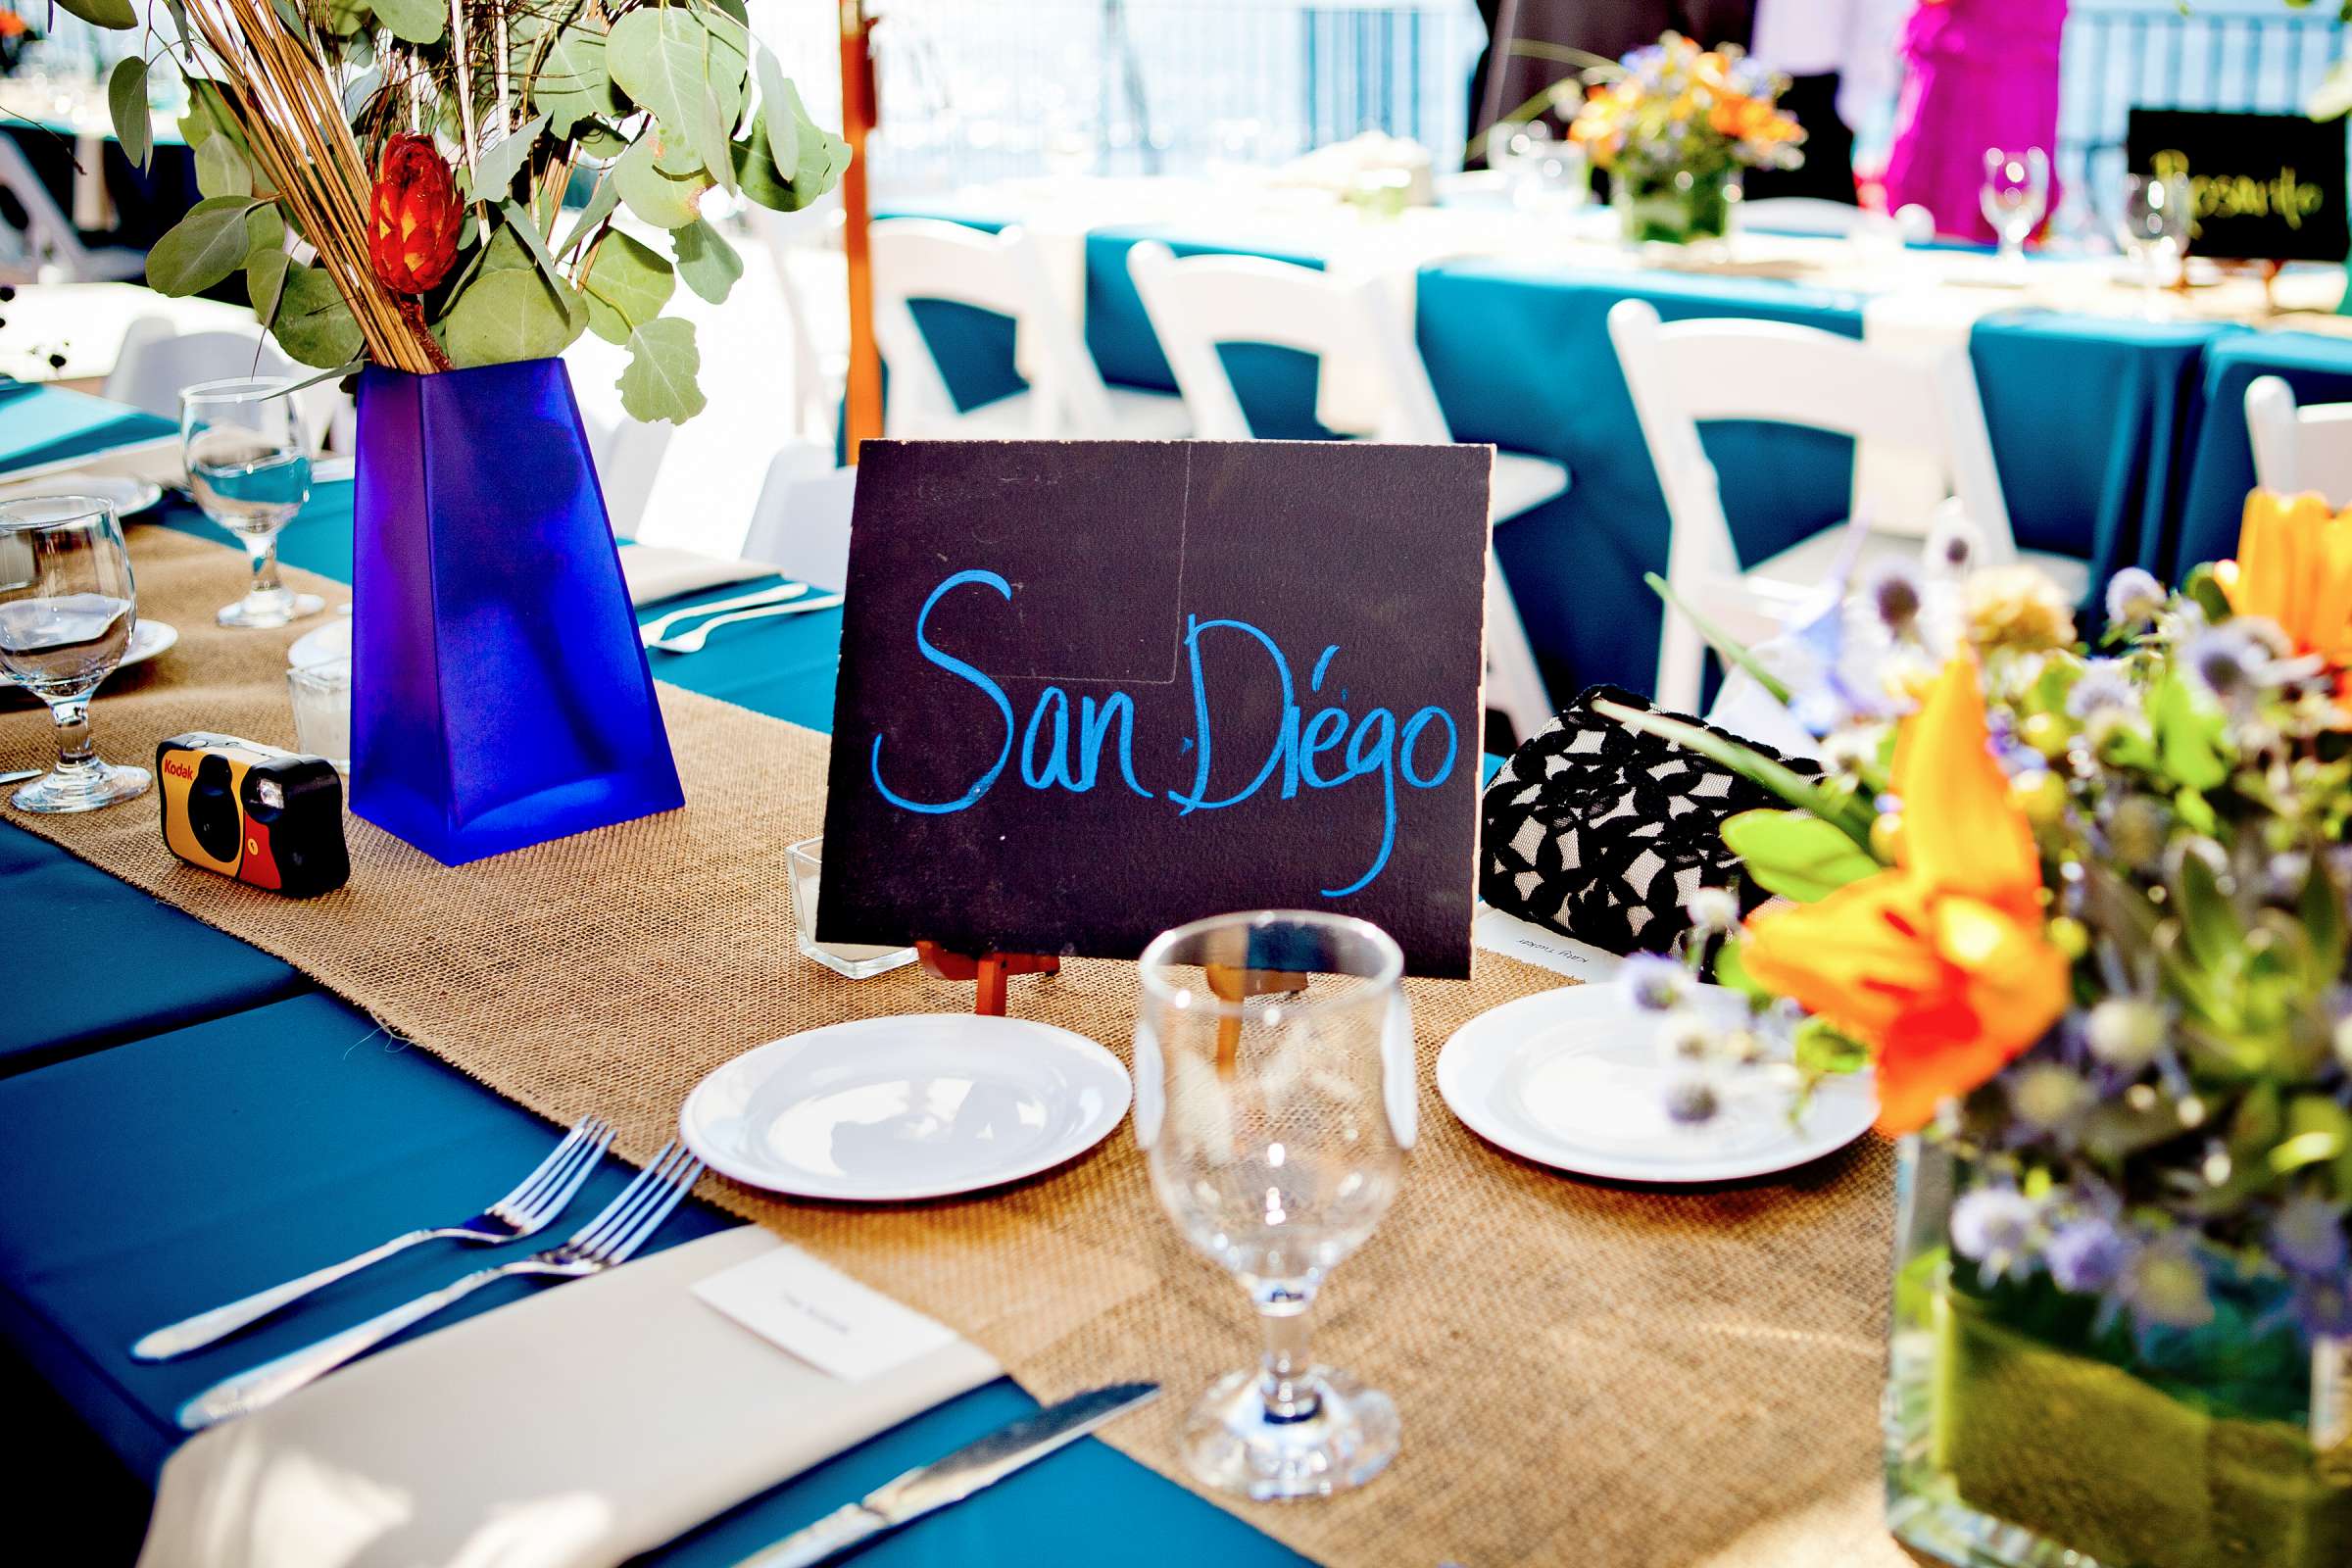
(518,222)
(573,84)
(1795,855)
(653,196)
(706,133)
(600,203)
(626,287)
(222,170)
(265,231)
(507,251)
(706,261)
(343,17)
(413,21)
(665,56)
(127,106)
(772,187)
(509,316)
(659,382)
(202,247)
(114,14)
(313,325)
(265,284)
(495,169)
(289,14)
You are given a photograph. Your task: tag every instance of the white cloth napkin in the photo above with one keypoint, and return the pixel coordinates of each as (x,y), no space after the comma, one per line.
(657,571)
(575,1428)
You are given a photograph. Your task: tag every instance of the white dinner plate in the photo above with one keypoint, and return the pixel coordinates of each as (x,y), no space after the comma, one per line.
(127,494)
(886,1111)
(148,639)
(1572,1079)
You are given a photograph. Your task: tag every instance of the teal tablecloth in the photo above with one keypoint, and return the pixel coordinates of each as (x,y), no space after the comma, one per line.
(198,1120)
(2092,421)
(2319,369)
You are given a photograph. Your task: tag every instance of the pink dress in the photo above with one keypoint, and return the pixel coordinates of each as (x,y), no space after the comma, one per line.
(1981,74)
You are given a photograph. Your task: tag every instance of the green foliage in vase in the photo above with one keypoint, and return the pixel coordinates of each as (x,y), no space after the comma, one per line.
(525,131)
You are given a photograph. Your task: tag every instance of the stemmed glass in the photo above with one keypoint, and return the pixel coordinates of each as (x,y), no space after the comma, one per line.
(1274,1095)
(248,453)
(2015,196)
(2154,227)
(67,608)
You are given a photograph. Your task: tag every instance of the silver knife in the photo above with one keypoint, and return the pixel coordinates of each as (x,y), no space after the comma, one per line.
(954,1478)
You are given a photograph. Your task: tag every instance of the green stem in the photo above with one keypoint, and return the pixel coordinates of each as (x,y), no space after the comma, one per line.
(1789,784)
(1730,651)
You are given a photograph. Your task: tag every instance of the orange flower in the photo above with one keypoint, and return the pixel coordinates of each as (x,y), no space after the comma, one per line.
(1940,964)
(413,239)
(2294,566)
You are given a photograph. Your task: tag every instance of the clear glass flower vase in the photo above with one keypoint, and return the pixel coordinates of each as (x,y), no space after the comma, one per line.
(2022,1432)
(1673,206)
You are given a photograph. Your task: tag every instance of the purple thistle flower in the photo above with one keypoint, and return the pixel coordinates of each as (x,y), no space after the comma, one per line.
(2102,687)
(2325,1307)
(1995,1226)
(2086,1255)
(2307,1235)
(1655,984)
(2133,597)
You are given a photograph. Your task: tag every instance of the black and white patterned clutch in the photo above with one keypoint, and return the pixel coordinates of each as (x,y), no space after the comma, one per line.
(1600,832)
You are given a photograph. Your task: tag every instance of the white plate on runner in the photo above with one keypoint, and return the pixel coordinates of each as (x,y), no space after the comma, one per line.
(127,494)
(885,1110)
(1572,1079)
(148,639)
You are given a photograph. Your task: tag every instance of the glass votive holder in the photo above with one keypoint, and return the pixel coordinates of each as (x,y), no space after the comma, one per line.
(322,696)
(854,959)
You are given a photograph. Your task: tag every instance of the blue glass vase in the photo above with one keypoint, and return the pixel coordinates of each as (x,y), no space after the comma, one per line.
(500,695)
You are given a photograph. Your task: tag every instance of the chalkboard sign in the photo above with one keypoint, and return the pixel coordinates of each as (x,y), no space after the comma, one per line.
(1091,689)
(2268,187)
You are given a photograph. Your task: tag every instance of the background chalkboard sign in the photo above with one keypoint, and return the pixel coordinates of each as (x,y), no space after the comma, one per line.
(1047,641)
(2268,187)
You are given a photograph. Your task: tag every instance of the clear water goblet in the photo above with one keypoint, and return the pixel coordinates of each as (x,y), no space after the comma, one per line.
(248,454)
(2154,229)
(68,607)
(1275,1090)
(2015,197)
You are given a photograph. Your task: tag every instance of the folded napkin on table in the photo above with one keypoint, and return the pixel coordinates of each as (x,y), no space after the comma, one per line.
(656,572)
(574,1429)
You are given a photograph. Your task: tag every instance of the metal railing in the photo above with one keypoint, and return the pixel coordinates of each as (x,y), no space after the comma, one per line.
(985,89)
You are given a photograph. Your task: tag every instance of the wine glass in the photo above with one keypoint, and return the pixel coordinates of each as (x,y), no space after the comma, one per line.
(2015,196)
(2154,227)
(248,452)
(1274,1094)
(67,608)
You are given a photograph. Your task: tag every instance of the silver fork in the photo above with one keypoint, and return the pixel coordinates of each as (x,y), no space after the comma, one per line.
(691,641)
(605,1242)
(654,629)
(533,1205)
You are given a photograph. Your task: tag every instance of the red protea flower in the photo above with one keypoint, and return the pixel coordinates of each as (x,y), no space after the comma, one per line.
(415,215)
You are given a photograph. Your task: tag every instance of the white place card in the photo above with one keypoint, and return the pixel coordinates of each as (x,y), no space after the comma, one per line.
(1499,931)
(821,1315)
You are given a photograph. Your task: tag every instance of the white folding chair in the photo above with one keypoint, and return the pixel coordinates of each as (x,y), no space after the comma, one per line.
(628,459)
(2299,449)
(925,258)
(800,523)
(1689,372)
(1198,303)
(54,252)
(804,248)
(157,361)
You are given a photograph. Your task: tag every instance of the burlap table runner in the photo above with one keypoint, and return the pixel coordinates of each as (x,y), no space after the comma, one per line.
(1588,1374)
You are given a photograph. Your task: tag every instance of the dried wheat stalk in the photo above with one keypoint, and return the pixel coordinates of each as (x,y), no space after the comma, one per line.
(291,113)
